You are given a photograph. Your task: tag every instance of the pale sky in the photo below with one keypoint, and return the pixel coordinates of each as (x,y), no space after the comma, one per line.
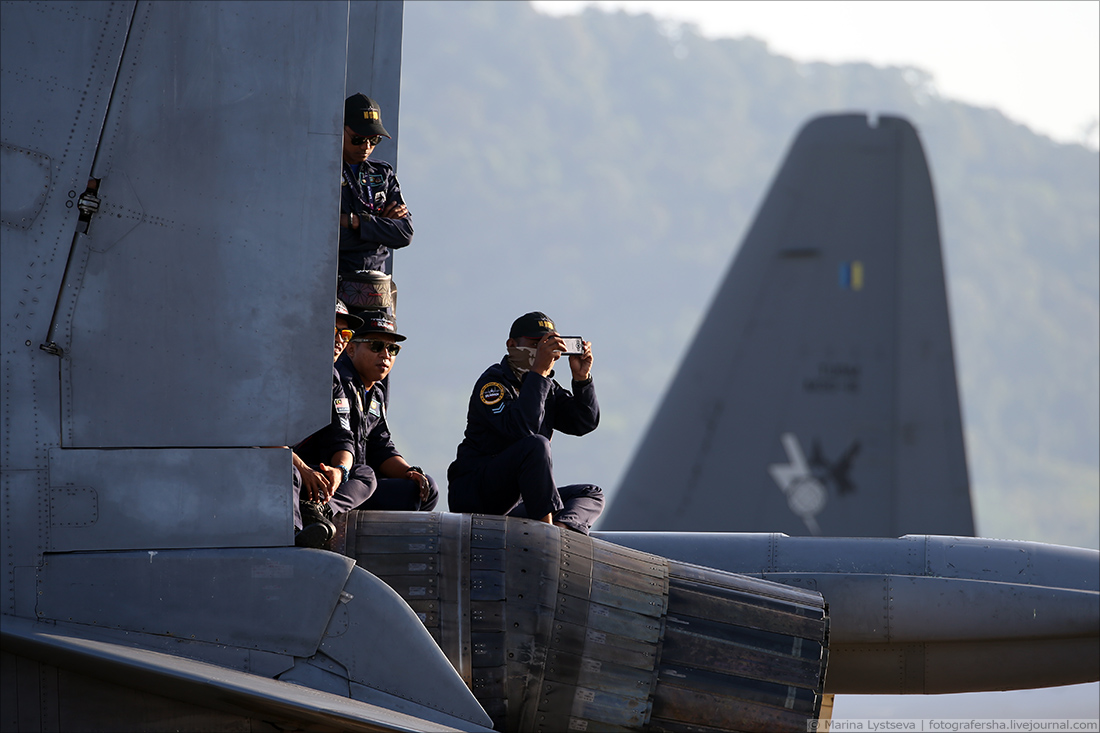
(1037,62)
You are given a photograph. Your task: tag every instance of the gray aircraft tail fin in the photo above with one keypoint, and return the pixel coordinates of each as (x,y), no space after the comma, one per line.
(819,395)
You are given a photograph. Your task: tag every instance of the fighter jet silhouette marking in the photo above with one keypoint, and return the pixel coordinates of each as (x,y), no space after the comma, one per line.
(804,482)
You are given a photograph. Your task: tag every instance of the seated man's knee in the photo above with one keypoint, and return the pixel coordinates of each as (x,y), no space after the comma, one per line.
(583,506)
(590,491)
(366,475)
(535,447)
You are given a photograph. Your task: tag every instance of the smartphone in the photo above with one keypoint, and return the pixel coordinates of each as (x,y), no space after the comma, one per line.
(574,345)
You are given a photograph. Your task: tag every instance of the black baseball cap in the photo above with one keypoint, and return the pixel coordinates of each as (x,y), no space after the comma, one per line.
(376,321)
(354,322)
(531,325)
(363,115)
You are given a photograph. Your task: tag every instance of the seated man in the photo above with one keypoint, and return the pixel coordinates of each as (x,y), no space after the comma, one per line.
(504,464)
(390,482)
(320,480)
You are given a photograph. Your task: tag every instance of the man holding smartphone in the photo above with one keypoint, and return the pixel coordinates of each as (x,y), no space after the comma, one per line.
(504,464)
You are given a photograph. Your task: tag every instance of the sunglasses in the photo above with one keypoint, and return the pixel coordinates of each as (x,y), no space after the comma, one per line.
(344,334)
(357,140)
(376,346)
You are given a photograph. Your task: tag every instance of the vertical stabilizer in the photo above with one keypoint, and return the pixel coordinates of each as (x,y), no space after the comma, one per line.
(374,65)
(168,263)
(819,395)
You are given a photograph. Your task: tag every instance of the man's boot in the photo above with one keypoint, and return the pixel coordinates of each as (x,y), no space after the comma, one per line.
(317,528)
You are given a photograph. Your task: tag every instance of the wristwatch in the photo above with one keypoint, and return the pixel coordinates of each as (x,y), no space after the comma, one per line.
(344,472)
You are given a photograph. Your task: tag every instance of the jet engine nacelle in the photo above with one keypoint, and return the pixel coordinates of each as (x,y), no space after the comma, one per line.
(553,630)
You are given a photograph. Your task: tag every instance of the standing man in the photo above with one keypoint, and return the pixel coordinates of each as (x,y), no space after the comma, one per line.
(322,461)
(373,216)
(390,481)
(504,464)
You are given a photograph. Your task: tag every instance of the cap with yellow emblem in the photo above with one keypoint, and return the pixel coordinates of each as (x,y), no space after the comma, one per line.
(363,115)
(535,324)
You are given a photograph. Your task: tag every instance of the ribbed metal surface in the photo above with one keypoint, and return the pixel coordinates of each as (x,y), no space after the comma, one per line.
(739,654)
(603,644)
(556,631)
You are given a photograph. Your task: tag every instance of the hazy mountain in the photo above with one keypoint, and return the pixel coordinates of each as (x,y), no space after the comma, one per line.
(604,167)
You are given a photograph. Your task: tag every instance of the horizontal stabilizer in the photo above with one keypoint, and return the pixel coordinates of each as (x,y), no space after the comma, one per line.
(202,684)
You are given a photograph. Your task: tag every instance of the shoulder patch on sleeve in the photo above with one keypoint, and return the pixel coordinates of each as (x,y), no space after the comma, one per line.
(492,393)
(341,405)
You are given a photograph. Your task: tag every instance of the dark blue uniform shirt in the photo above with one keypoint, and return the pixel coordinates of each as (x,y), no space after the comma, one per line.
(504,409)
(366,194)
(367,417)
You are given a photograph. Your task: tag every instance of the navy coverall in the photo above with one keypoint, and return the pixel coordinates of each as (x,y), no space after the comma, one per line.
(366,193)
(504,464)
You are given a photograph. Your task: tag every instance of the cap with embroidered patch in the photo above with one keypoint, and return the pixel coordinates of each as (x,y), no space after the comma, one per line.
(531,325)
(376,321)
(363,115)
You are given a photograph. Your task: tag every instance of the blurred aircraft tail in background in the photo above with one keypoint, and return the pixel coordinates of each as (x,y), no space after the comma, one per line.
(819,396)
